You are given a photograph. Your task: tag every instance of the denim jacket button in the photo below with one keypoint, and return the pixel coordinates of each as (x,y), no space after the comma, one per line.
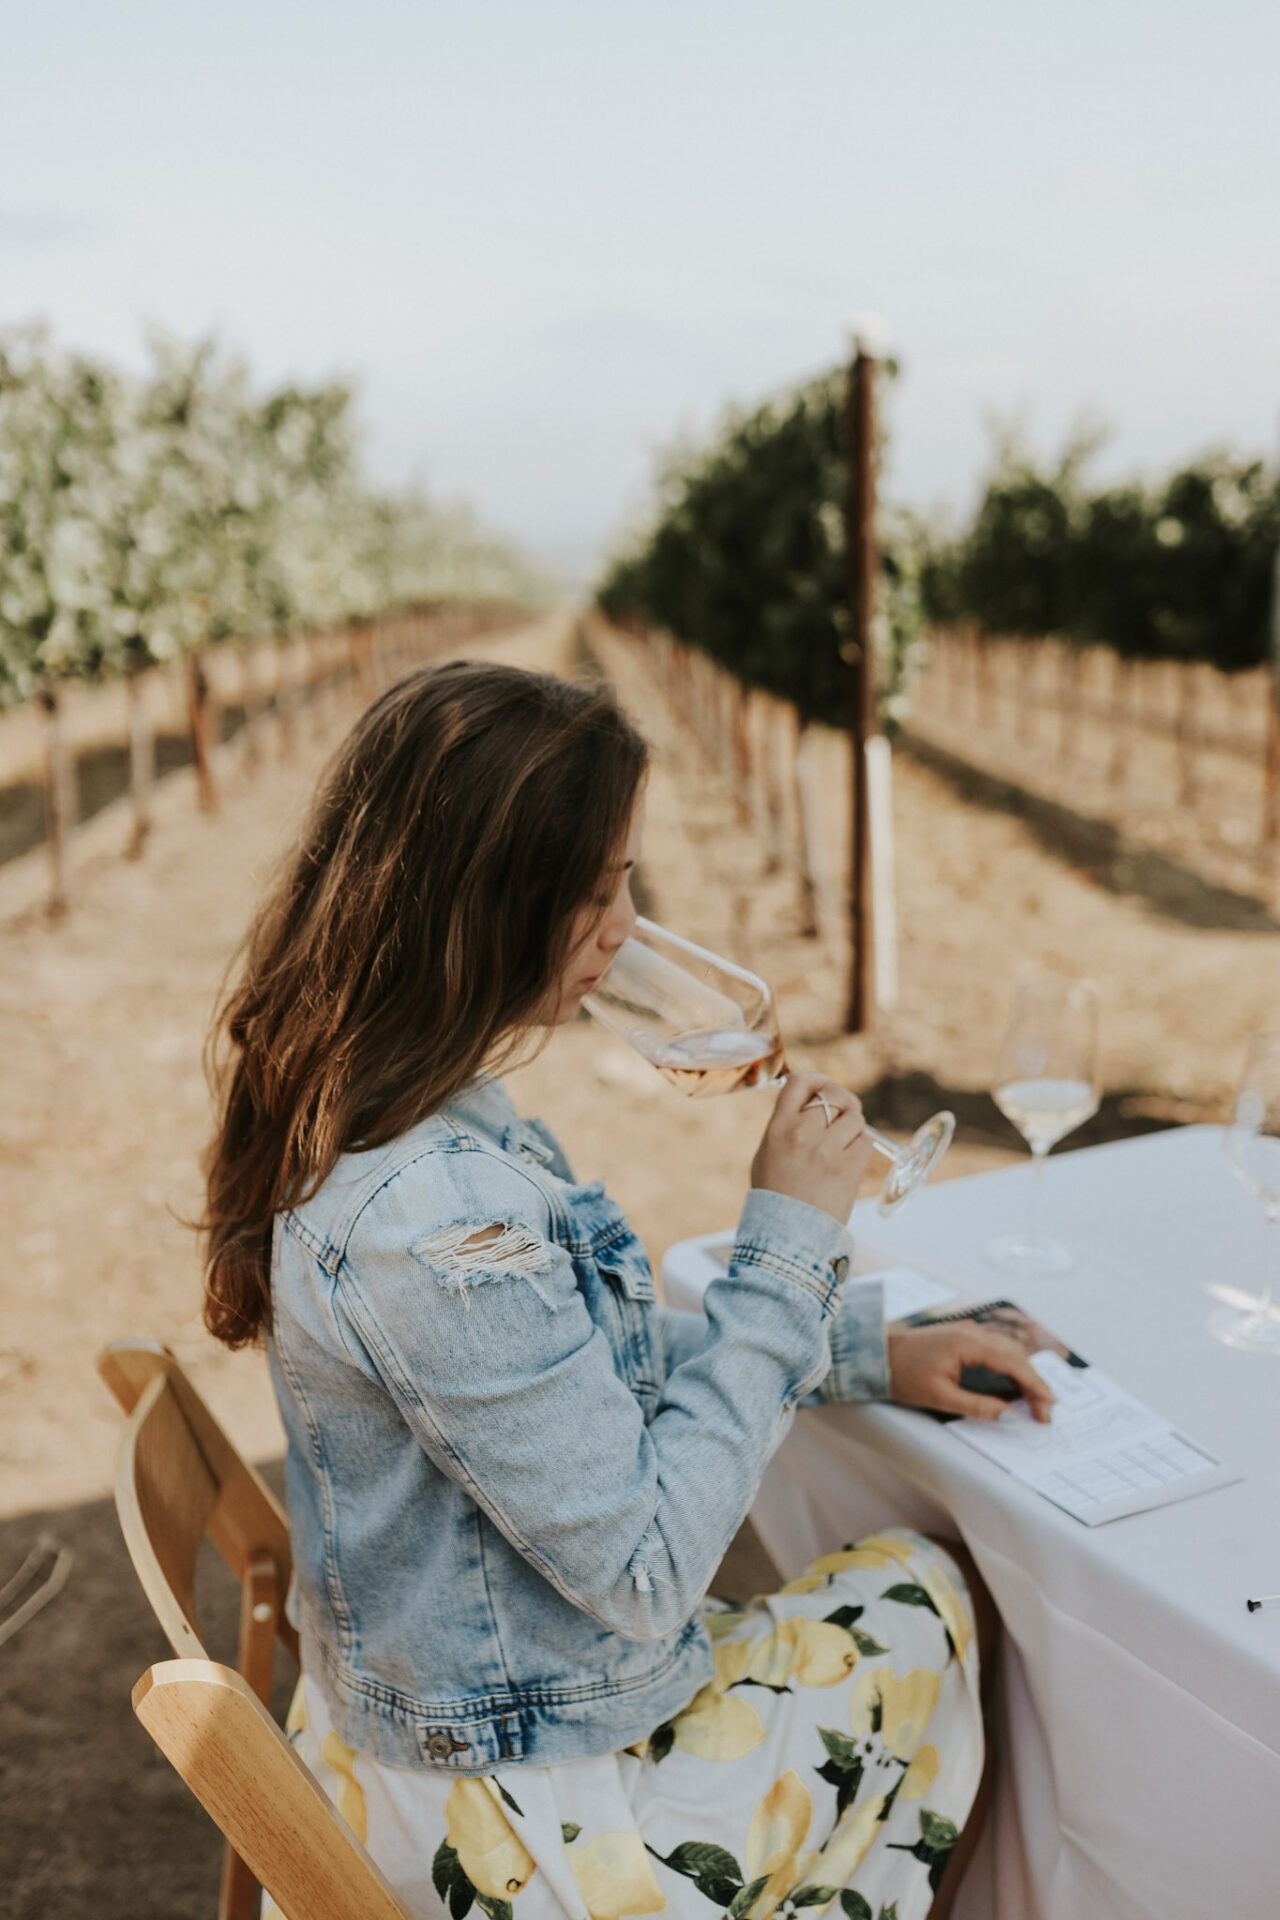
(440,1745)
(840,1268)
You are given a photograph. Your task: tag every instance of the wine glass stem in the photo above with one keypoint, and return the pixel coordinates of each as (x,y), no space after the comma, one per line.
(883,1144)
(1034,1202)
(1270,1241)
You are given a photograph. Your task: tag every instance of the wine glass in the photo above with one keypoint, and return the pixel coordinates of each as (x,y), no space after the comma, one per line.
(1046,1083)
(710,1027)
(1252,1144)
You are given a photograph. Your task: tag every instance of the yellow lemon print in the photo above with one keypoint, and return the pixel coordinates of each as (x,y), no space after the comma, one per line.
(806,1583)
(893,1544)
(341,1759)
(954,1612)
(921,1774)
(906,1706)
(733,1662)
(718,1726)
(847,1847)
(877,1550)
(815,1652)
(491,1853)
(614,1876)
(774,1841)
(722,1621)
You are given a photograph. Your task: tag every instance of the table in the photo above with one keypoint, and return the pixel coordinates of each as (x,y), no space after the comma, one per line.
(1139,1712)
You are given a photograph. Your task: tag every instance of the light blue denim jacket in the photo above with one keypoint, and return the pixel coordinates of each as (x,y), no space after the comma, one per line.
(511,1473)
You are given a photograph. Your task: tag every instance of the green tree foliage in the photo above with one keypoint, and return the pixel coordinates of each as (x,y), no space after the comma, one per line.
(747,559)
(1177,570)
(138,518)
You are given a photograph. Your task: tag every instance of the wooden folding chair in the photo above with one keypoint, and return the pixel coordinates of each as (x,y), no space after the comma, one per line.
(178,1477)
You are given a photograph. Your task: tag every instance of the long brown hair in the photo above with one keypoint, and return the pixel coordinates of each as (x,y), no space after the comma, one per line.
(425,915)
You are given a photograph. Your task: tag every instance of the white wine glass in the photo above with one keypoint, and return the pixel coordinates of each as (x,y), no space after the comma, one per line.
(1047,1084)
(711,1027)
(1252,1145)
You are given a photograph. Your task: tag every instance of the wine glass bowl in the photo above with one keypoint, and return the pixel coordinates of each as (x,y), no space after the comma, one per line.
(711,1027)
(707,1025)
(1251,1142)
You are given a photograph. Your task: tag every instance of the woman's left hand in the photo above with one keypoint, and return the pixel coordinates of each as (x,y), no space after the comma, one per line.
(925,1365)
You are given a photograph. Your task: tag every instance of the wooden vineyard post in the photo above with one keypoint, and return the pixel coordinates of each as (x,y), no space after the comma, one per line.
(860,540)
(360,657)
(142,760)
(315,670)
(771,713)
(985,680)
(1271,768)
(801,742)
(1071,696)
(201,716)
(1184,729)
(740,735)
(1062,703)
(253,700)
(1026,695)
(286,697)
(1120,718)
(59,796)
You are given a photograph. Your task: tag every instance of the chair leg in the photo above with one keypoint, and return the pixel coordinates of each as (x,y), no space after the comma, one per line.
(259,1607)
(259,1611)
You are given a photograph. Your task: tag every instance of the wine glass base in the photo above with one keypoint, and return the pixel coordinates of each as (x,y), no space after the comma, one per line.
(917,1160)
(1014,1253)
(1250,1332)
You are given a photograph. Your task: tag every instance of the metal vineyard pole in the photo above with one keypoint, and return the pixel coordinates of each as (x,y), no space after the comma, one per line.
(860,541)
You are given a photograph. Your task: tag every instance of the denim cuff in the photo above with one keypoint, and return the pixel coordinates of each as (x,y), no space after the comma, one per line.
(797,1239)
(859,1352)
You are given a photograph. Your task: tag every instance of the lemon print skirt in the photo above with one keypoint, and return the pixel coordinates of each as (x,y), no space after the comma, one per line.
(828,1767)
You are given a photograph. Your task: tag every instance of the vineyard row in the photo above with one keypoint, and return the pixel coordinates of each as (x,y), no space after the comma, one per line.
(216,702)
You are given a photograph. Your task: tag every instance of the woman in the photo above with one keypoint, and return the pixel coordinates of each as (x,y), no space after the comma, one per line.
(511,1473)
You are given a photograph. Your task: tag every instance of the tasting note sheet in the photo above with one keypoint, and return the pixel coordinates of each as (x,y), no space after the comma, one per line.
(1103,1455)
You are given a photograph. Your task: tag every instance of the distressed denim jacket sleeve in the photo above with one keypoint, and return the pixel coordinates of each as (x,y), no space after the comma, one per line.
(511,1387)
(859,1361)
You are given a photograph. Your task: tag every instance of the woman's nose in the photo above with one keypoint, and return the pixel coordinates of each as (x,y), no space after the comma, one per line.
(617,928)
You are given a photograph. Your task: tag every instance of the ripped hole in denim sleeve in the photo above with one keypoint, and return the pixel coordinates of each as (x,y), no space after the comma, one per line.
(467,1252)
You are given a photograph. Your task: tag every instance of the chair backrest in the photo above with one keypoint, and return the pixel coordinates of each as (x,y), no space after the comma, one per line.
(178,1477)
(239,1765)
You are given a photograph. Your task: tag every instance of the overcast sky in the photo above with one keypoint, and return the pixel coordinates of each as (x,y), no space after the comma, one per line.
(548,237)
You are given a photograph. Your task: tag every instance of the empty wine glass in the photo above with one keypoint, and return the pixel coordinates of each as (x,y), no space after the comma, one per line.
(1252,1144)
(1046,1083)
(710,1027)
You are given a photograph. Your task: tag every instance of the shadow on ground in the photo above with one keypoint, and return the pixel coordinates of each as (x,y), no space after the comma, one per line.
(94,1822)
(904,1101)
(1120,865)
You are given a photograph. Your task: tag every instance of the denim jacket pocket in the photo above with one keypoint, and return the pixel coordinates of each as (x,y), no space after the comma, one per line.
(612,1255)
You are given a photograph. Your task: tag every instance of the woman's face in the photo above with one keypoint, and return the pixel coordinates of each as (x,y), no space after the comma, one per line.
(601,934)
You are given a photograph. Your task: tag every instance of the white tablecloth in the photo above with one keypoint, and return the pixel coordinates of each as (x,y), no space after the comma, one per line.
(1139,1723)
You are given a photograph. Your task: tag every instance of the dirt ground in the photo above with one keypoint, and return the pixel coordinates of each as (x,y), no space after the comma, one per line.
(104,1111)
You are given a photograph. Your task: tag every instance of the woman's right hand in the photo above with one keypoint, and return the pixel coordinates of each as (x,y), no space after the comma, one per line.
(814,1153)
